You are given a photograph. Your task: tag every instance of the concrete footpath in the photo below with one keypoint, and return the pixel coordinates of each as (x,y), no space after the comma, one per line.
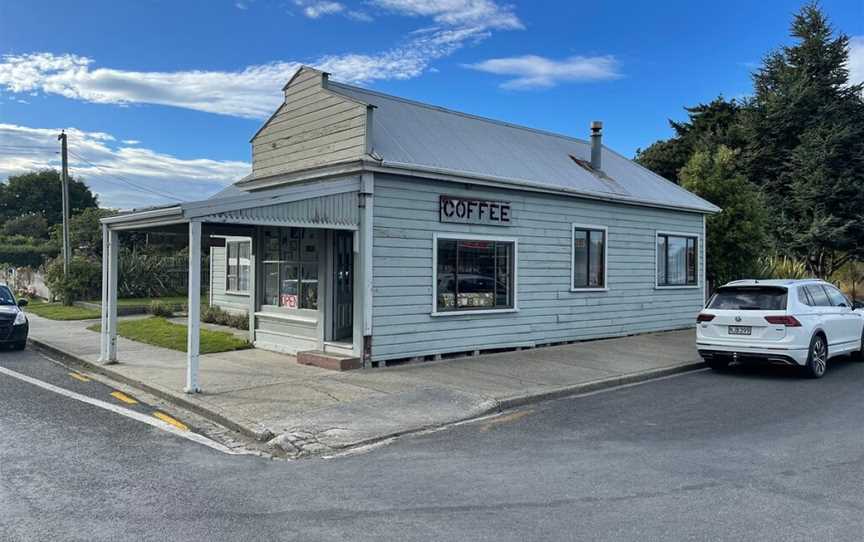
(306,410)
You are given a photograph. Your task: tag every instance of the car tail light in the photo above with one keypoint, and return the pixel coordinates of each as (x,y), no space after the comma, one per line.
(788,321)
(704,317)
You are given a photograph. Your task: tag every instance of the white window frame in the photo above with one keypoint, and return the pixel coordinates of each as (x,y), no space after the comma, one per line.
(573,227)
(473,237)
(228,291)
(699,260)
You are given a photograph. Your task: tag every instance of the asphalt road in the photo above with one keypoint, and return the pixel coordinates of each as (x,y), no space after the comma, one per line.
(746,455)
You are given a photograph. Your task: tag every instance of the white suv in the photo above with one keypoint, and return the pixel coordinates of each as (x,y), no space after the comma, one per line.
(796,322)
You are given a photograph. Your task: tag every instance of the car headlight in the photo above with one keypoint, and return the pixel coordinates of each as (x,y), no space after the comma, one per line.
(20,319)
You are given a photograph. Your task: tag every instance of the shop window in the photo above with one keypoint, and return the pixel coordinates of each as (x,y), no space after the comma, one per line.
(475,275)
(290,267)
(589,258)
(238,266)
(677,260)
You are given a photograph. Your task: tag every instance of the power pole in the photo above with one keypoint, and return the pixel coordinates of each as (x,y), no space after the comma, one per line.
(64,179)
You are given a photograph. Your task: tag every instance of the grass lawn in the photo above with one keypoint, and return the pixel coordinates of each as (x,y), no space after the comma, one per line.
(160,332)
(58,311)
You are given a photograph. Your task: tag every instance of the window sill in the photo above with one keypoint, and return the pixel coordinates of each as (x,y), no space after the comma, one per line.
(475,312)
(681,287)
(235,292)
(287,316)
(577,290)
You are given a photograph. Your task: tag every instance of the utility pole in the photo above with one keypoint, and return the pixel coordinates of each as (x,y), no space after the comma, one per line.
(64,179)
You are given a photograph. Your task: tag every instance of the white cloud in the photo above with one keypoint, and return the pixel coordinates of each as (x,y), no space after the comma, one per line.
(531,71)
(484,14)
(316,8)
(254,92)
(856,59)
(131,142)
(157,177)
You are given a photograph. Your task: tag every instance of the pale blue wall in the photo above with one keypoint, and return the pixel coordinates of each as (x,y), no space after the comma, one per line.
(406,216)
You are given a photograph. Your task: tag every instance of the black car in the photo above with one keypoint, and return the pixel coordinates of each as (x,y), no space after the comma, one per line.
(13,322)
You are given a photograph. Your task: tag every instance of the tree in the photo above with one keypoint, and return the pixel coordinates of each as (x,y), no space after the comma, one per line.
(85,231)
(805,132)
(33,226)
(708,125)
(39,192)
(737,235)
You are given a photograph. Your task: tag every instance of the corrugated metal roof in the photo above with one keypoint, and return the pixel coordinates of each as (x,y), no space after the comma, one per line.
(411,133)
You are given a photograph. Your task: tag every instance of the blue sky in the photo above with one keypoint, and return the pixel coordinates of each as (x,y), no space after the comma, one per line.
(161,97)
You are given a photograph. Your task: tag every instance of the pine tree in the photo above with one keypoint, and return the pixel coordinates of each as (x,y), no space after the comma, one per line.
(805,132)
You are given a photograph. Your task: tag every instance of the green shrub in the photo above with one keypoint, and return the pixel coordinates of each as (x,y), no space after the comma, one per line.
(143,275)
(82,282)
(160,308)
(19,251)
(215,315)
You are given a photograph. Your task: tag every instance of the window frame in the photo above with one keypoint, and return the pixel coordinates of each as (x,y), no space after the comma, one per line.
(698,252)
(473,237)
(228,289)
(589,228)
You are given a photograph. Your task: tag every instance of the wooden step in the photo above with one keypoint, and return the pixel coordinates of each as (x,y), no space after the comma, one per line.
(327,360)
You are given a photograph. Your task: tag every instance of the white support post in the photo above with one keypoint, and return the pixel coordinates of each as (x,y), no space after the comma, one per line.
(363,270)
(113,262)
(253,284)
(103,330)
(193,324)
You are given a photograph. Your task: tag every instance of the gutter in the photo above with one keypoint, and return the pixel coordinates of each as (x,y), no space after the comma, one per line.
(144,214)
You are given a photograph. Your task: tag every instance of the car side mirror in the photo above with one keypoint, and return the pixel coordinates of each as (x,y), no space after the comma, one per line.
(22,302)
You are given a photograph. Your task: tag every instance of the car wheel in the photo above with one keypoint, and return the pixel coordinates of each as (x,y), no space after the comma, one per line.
(817,357)
(717,364)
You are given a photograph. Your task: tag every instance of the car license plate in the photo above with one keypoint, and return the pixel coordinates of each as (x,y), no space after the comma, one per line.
(739,330)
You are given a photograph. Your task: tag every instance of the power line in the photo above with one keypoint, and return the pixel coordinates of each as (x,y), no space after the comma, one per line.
(124,179)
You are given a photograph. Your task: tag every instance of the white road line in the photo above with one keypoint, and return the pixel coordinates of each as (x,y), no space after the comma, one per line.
(149,420)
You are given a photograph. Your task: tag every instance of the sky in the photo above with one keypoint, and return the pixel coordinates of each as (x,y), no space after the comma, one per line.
(159,98)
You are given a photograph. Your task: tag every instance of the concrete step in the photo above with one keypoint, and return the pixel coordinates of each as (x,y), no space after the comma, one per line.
(327,360)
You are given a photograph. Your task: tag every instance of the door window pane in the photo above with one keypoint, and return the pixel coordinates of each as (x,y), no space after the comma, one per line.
(818,295)
(474,275)
(837,299)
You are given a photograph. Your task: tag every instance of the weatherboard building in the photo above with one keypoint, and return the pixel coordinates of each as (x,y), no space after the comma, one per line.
(374,228)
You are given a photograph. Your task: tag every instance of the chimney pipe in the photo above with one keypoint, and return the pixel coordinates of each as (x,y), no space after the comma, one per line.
(596,145)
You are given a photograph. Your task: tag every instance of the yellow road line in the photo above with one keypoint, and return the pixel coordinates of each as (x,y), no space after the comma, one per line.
(120,396)
(168,419)
(78,376)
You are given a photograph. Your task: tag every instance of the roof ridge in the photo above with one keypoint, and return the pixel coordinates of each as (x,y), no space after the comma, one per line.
(456,112)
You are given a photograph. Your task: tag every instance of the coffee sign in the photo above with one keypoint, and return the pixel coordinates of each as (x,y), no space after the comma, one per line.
(475,211)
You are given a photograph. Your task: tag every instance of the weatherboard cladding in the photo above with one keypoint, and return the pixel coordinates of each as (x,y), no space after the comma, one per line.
(231,302)
(415,134)
(337,210)
(406,215)
(313,127)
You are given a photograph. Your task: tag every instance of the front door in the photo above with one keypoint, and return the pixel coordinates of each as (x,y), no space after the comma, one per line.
(343,285)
